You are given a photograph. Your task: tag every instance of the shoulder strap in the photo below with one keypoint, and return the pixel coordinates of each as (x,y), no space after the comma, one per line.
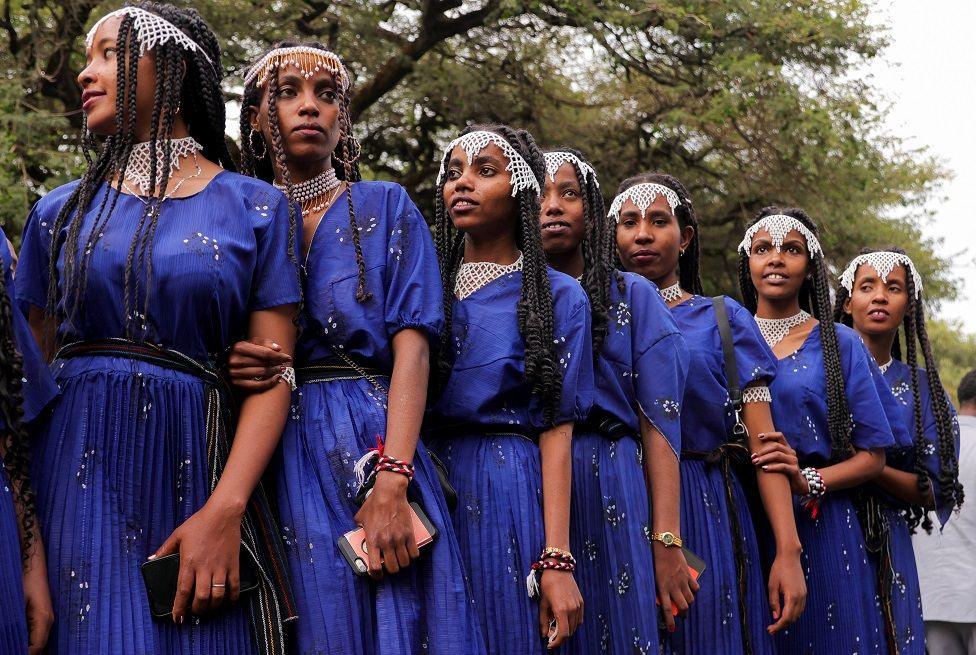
(731,370)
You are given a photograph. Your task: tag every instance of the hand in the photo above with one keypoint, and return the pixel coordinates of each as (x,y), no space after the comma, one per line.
(777,457)
(560,599)
(787,590)
(256,364)
(209,544)
(675,586)
(387,520)
(37,599)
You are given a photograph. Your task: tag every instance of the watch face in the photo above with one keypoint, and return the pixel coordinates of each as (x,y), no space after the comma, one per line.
(667,538)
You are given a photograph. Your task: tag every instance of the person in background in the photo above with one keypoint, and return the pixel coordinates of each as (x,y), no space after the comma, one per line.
(947,560)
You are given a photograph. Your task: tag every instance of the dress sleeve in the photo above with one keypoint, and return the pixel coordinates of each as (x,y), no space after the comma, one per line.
(753,357)
(661,360)
(413,284)
(275,280)
(870,428)
(574,349)
(900,430)
(31,278)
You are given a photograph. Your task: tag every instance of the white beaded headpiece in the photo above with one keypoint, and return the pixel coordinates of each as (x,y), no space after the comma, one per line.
(778,226)
(474,142)
(643,195)
(883,262)
(151,30)
(556,159)
(307,60)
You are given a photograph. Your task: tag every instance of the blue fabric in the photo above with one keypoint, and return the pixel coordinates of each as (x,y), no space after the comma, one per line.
(497,476)
(121,460)
(842,613)
(427,607)
(712,624)
(643,364)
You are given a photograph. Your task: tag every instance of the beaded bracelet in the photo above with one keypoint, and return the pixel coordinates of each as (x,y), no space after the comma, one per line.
(393,465)
(815,482)
(552,558)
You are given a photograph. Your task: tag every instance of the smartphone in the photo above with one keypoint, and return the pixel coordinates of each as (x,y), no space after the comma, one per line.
(353,547)
(161,575)
(696,566)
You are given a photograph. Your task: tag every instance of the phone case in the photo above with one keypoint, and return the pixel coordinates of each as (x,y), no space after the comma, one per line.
(696,566)
(352,545)
(161,575)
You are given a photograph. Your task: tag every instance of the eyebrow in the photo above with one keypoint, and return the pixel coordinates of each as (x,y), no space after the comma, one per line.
(103,40)
(562,186)
(486,159)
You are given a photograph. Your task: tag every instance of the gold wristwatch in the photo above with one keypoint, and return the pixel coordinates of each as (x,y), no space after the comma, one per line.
(667,538)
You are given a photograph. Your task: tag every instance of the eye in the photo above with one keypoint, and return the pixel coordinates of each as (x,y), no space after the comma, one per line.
(570,193)
(453,173)
(286,92)
(329,95)
(864,288)
(486,171)
(110,52)
(794,250)
(628,222)
(760,249)
(659,222)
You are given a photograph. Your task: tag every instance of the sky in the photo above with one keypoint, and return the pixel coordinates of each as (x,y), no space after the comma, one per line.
(928,73)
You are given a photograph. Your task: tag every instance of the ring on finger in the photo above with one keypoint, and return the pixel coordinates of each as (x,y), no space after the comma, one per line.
(258,378)
(218,585)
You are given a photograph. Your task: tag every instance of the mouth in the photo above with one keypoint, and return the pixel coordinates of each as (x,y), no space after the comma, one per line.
(775,278)
(89,98)
(309,130)
(555,227)
(461,204)
(878,314)
(644,256)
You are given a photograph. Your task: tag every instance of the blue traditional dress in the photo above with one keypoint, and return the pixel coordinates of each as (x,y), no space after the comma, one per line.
(905,594)
(38,390)
(641,368)
(122,459)
(488,421)
(843,613)
(714,624)
(426,607)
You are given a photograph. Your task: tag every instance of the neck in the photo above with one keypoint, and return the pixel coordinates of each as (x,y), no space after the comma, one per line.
(570,263)
(967,409)
(499,249)
(668,280)
(879,345)
(179,131)
(300,171)
(778,307)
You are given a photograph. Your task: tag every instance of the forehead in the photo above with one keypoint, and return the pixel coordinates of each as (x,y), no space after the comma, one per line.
(866,270)
(764,235)
(490,150)
(659,205)
(293,73)
(108,28)
(565,173)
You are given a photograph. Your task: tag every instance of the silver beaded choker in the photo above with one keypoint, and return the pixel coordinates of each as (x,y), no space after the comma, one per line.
(672,293)
(314,194)
(139,168)
(775,330)
(884,367)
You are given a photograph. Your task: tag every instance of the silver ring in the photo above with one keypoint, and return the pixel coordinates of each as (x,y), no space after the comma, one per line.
(258,378)
(218,585)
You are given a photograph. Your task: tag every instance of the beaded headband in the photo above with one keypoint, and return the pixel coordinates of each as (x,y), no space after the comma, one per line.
(474,142)
(643,195)
(883,262)
(556,159)
(778,226)
(151,30)
(306,59)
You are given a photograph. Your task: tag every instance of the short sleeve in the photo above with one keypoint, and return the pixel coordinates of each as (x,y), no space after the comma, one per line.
(661,360)
(870,428)
(31,279)
(900,430)
(275,280)
(413,284)
(753,357)
(574,350)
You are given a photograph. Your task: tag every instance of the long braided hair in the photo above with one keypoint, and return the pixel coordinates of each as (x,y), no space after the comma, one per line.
(598,251)
(535,313)
(915,334)
(186,83)
(344,159)
(689,264)
(814,298)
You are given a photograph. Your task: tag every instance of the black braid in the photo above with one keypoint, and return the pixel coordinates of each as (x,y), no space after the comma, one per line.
(15,446)
(535,311)
(689,264)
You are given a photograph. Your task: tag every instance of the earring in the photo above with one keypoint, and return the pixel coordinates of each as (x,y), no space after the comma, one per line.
(254,149)
(681,252)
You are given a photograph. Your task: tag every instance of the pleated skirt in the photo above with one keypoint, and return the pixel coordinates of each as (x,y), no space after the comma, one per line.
(713,624)
(426,608)
(499,527)
(13,624)
(121,462)
(843,611)
(906,597)
(609,532)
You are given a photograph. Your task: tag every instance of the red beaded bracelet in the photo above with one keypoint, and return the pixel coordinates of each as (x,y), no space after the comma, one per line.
(393,465)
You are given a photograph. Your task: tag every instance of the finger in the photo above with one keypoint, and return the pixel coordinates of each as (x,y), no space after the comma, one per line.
(412,548)
(375,560)
(403,555)
(234,586)
(667,609)
(771,448)
(774,606)
(693,584)
(255,372)
(39,627)
(202,591)
(789,613)
(780,458)
(170,546)
(218,590)
(262,353)
(545,616)
(184,591)
(778,468)
(772,436)
(267,343)
(256,386)
(562,628)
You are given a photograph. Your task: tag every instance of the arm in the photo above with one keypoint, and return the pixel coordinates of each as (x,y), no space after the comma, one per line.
(787,587)
(675,586)
(904,486)
(209,541)
(37,595)
(40,325)
(863,466)
(561,599)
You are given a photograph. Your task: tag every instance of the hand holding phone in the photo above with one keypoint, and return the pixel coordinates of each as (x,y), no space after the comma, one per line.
(353,546)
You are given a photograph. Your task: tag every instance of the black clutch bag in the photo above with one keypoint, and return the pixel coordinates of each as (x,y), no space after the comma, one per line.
(162,574)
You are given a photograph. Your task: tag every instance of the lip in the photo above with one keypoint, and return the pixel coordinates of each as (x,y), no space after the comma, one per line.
(309,130)
(879,315)
(775,278)
(556,226)
(462,204)
(644,256)
(89,98)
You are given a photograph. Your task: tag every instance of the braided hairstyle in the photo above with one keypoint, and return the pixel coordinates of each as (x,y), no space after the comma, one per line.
(259,164)
(814,298)
(186,83)
(14,447)
(598,251)
(535,313)
(913,324)
(689,264)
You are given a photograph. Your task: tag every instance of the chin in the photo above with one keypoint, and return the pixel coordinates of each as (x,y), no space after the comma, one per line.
(557,246)
(304,152)
(101,125)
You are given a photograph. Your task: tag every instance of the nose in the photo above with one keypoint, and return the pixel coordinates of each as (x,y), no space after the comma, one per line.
(644,232)
(308,107)
(466,181)
(86,77)
(551,205)
(775,257)
(880,295)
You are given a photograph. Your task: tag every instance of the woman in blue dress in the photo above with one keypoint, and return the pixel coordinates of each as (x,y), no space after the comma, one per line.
(515,370)
(826,400)
(26,387)
(372,306)
(880,296)
(142,273)
(734,612)
(640,365)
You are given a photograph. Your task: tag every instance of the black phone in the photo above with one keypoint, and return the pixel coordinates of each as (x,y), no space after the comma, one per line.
(161,575)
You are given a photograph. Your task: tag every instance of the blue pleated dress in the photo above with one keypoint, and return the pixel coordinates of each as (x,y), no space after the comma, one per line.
(642,367)
(713,623)
(38,390)
(495,470)
(427,607)
(843,612)
(121,461)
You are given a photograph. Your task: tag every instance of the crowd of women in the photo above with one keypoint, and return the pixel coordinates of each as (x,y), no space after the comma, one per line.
(242,367)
